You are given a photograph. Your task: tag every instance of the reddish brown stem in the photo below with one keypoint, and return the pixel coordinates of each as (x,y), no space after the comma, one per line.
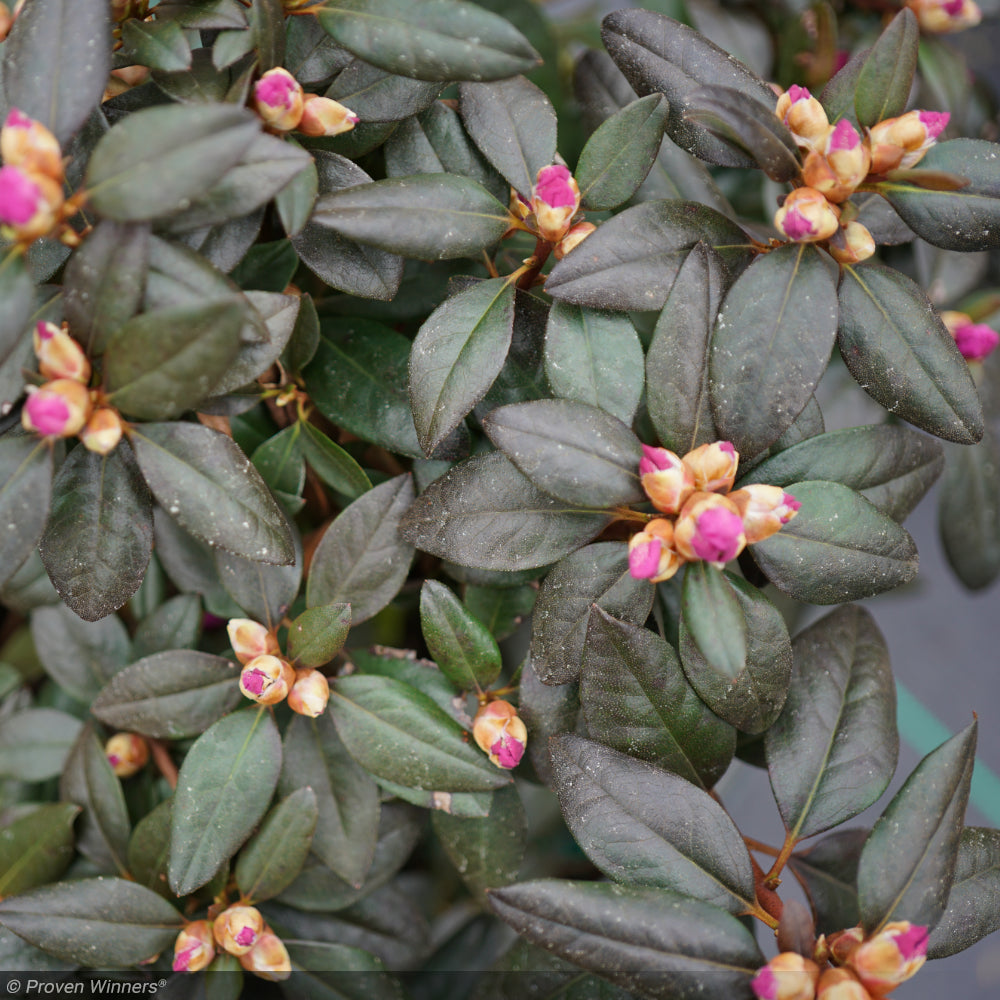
(163,761)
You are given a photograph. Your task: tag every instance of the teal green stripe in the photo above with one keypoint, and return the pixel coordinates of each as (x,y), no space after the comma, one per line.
(924,731)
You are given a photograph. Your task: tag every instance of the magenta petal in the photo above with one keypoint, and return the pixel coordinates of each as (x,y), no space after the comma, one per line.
(953,7)
(717,536)
(912,943)
(48,413)
(507,751)
(183,958)
(976,340)
(19,197)
(934,122)
(553,186)
(764,984)
(844,136)
(644,559)
(17,119)
(797,226)
(797,93)
(253,681)
(275,91)
(245,937)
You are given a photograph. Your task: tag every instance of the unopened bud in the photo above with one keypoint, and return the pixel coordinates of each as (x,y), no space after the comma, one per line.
(30,202)
(890,957)
(309,694)
(840,984)
(127,753)
(851,243)
(324,116)
(278,99)
(6,21)
(713,466)
(943,16)
(250,639)
(841,165)
(102,431)
(499,732)
(58,409)
(667,481)
(194,948)
(555,199)
(974,340)
(765,510)
(576,235)
(237,929)
(651,553)
(902,142)
(787,976)
(265,679)
(709,527)
(28,144)
(59,355)
(268,958)
(804,116)
(807,216)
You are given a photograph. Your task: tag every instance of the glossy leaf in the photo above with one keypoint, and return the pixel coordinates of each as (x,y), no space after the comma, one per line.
(375,95)
(636,700)
(175,624)
(156,44)
(658,54)
(18,300)
(396,732)
(457,354)
(347,799)
(37,848)
(484,513)
(96,922)
(677,387)
(430,216)
(597,575)
(462,647)
(908,862)
(361,560)
(333,464)
(734,647)
(514,126)
(170,695)
(34,743)
(757,391)
(838,548)
(429,39)
(644,826)
(829,869)
(631,261)
(225,786)
(886,78)
(837,97)
(572,451)
(912,366)
(891,466)
(26,472)
(203,480)
(317,635)
(646,940)
(832,751)
(501,609)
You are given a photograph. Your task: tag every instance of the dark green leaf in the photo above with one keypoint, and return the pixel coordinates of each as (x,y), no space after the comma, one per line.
(965,219)
(99,535)
(652,941)
(974,901)
(734,647)
(396,732)
(594,357)
(838,95)
(636,700)
(88,782)
(225,786)
(280,464)
(546,709)
(296,199)
(631,261)
(430,216)
(462,647)
(657,54)
(267,24)
(332,464)
(156,44)
(34,743)
(268,326)
(361,560)
(179,276)
(458,353)
(17,299)
(829,869)
(26,474)
(838,548)
(908,862)
(757,391)
(203,83)
(96,922)
(274,855)
(346,797)
(57,62)
(501,609)
(302,344)
(204,14)
(175,624)
(201,478)
(833,750)
(429,39)
(514,126)
(317,635)
(375,95)
(890,465)
(37,848)
(886,78)
(898,349)
(148,848)
(170,695)
(572,451)
(485,514)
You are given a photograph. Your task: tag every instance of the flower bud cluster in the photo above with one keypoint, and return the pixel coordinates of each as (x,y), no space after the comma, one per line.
(942,16)
(268,678)
(837,160)
(499,732)
(284,106)
(549,213)
(975,340)
(240,931)
(706,519)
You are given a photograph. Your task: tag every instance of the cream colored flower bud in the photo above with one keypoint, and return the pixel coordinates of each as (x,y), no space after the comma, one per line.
(555,199)
(945,16)
(309,693)
(58,409)
(194,948)
(237,929)
(787,976)
(28,144)
(666,480)
(709,527)
(713,466)
(902,142)
(31,203)
(250,639)
(103,431)
(265,679)
(268,958)
(323,116)
(804,116)
(765,510)
(851,244)
(279,99)
(840,984)
(127,753)
(807,216)
(651,553)
(59,355)
(890,957)
(499,732)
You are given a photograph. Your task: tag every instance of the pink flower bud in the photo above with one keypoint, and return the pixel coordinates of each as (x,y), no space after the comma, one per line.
(787,976)
(194,948)
(974,340)
(851,244)
(30,203)
(807,216)
(942,16)
(250,639)
(651,553)
(668,482)
(890,957)
(499,732)
(555,199)
(237,929)
(765,510)
(713,466)
(58,409)
(323,116)
(103,431)
(804,116)
(59,355)
(29,145)
(710,528)
(840,984)
(576,235)
(902,142)
(127,753)
(278,99)
(848,159)
(265,679)
(309,694)
(268,958)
